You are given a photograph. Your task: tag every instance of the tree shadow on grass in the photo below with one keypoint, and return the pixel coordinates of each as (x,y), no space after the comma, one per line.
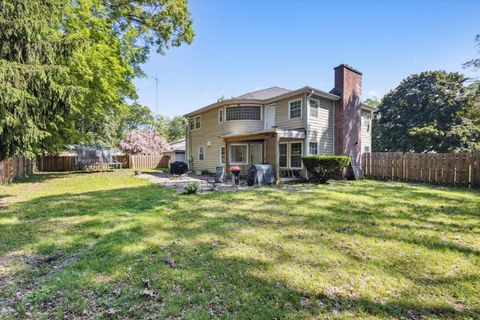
(133,230)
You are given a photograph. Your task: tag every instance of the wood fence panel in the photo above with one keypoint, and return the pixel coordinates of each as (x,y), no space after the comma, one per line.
(456,169)
(12,168)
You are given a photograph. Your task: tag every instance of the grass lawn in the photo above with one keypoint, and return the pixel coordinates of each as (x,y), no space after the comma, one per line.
(110,245)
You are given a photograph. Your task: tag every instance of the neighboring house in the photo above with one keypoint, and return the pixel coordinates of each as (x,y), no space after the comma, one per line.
(177,151)
(279,126)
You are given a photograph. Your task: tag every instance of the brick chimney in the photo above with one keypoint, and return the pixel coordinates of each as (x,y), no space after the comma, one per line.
(348,85)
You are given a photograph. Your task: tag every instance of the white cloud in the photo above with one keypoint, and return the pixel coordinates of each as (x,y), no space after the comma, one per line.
(373,93)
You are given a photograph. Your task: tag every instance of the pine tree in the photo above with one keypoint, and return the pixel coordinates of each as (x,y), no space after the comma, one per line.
(34,84)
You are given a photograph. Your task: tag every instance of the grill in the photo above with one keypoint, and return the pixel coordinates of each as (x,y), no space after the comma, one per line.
(260,174)
(178,167)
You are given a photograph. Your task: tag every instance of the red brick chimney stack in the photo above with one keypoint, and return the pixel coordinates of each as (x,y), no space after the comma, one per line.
(348,85)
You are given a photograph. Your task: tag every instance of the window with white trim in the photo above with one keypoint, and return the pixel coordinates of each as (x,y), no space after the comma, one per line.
(314,104)
(201,153)
(366,120)
(295,155)
(313,148)
(222,155)
(220,115)
(197,122)
(295,109)
(192,123)
(243,113)
(238,154)
(283,155)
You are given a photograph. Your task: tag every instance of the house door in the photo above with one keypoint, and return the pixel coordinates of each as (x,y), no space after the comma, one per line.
(256,153)
(270,117)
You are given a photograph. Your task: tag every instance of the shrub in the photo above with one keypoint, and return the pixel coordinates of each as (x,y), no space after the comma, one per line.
(192,187)
(324,168)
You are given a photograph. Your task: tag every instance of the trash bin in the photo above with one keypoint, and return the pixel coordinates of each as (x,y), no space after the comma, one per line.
(219,174)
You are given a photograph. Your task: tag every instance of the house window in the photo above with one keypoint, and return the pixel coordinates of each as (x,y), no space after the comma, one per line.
(296,155)
(295,109)
(313,148)
(238,153)
(220,115)
(366,149)
(201,153)
(192,123)
(197,122)
(222,155)
(283,154)
(366,121)
(243,113)
(314,108)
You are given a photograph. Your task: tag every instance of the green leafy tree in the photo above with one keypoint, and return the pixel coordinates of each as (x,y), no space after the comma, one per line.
(36,90)
(138,118)
(430,111)
(51,49)
(171,129)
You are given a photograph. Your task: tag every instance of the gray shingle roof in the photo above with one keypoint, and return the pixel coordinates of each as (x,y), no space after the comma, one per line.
(264,94)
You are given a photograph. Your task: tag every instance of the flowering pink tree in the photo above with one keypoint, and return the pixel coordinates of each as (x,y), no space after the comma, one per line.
(140,142)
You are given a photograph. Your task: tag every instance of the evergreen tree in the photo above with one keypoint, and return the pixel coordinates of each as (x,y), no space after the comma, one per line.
(35,88)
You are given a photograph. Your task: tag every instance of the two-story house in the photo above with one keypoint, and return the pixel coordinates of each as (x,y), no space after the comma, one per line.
(279,126)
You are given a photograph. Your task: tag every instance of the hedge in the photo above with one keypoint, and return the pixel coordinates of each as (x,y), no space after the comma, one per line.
(324,168)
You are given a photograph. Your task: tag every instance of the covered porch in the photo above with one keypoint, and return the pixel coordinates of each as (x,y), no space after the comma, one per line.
(282,149)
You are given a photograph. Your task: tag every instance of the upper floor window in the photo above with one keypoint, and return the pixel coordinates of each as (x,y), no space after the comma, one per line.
(366,120)
(195,123)
(220,115)
(243,113)
(295,109)
(314,108)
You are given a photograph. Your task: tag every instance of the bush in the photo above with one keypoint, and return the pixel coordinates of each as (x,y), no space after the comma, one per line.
(192,187)
(324,168)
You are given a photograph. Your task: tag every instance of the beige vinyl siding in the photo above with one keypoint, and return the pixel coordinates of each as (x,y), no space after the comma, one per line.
(281,114)
(321,129)
(212,131)
(366,132)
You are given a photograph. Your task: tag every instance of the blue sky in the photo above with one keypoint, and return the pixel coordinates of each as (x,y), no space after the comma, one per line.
(242,46)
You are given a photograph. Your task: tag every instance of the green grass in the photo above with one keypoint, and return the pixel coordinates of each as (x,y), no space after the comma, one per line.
(94,246)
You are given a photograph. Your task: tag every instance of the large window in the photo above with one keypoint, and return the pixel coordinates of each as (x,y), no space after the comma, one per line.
(201,153)
(314,108)
(296,155)
(283,155)
(313,148)
(295,109)
(243,113)
(238,154)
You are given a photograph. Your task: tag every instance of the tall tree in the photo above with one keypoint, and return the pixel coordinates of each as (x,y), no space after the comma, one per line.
(430,111)
(39,68)
(35,87)
(171,129)
(138,118)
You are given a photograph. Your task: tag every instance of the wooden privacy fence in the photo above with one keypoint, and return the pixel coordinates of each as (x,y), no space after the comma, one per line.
(16,167)
(457,169)
(67,163)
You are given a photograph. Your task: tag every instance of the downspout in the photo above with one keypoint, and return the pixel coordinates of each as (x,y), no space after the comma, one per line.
(306,122)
